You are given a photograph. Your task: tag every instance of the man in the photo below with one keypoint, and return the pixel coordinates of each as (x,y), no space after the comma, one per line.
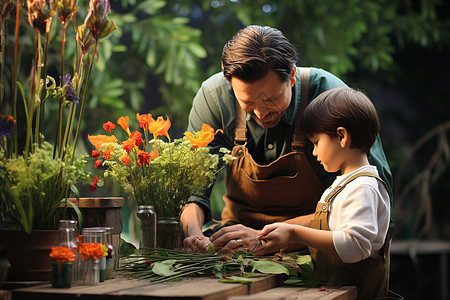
(257,101)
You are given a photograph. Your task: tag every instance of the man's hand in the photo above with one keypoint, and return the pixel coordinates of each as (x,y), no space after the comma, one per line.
(196,244)
(231,238)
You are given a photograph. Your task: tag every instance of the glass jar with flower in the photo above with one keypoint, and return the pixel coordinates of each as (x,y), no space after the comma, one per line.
(158,171)
(90,268)
(38,174)
(62,267)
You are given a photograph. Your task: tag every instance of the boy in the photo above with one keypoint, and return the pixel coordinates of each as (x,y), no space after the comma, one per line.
(349,229)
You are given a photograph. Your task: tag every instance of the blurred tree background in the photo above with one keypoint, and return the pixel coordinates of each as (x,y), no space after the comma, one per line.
(395,51)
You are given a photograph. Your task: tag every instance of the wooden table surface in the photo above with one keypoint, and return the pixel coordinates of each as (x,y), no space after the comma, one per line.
(266,287)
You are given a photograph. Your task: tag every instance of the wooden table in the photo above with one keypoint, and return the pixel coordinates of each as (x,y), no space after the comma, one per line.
(266,287)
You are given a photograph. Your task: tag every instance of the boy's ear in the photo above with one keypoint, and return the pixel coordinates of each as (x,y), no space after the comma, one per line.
(344,137)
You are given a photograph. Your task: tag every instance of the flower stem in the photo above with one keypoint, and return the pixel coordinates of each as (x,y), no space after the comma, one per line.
(13,89)
(91,63)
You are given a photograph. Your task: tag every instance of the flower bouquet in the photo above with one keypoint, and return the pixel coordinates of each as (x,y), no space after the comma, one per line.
(157,172)
(35,181)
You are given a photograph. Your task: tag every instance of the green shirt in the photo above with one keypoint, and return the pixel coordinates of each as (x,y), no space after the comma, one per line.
(214,104)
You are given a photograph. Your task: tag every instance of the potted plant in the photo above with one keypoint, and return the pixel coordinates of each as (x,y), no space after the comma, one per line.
(157,171)
(36,181)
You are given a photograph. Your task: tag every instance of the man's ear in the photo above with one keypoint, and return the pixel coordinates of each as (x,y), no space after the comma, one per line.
(292,78)
(344,137)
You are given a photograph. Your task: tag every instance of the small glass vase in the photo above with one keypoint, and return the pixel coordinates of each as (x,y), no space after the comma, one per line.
(147,218)
(169,233)
(89,271)
(61,274)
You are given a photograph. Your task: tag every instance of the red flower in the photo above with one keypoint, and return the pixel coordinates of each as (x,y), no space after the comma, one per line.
(93,185)
(137,137)
(107,153)
(108,126)
(148,262)
(224,258)
(95,154)
(128,145)
(144,158)
(98,163)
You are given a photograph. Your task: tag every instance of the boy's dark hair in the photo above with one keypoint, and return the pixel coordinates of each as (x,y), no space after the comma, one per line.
(254,50)
(343,107)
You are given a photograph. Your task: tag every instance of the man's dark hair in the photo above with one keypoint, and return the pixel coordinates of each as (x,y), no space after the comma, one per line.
(343,107)
(254,50)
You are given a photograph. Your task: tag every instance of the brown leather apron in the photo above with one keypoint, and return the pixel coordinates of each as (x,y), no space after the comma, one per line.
(370,275)
(261,194)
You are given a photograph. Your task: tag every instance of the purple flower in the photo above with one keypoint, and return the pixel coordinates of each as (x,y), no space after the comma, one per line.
(6,125)
(69,93)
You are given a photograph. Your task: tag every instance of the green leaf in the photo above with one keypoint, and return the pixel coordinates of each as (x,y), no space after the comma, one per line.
(236,279)
(269,267)
(164,268)
(306,263)
(126,249)
(294,280)
(211,249)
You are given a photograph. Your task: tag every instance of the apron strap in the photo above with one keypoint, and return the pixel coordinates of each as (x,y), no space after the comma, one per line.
(298,138)
(323,212)
(240,129)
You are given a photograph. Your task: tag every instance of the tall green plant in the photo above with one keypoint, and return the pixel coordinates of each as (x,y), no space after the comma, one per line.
(37,182)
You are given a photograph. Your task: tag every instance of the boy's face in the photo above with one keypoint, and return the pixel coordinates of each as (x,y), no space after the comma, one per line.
(265,100)
(328,151)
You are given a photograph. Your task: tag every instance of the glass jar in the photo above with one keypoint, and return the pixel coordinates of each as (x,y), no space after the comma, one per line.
(112,257)
(147,217)
(170,233)
(91,268)
(68,237)
(62,274)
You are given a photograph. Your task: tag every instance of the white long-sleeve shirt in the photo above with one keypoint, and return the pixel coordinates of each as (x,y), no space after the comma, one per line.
(359,215)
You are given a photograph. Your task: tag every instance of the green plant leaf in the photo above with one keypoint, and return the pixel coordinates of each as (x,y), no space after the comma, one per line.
(126,249)
(306,263)
(236,279)
(164,268)
(269,267)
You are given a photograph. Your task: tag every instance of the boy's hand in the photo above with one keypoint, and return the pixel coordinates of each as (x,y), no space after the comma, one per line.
(275,237)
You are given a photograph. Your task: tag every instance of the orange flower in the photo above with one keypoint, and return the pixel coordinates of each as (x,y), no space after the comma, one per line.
(125,159)
(144,120)
(144,158)
(62,254)
(108,126)
(154,154)
(128,145)
(202,138)
(123,122)
(160,127)
(91,251)
(99,140)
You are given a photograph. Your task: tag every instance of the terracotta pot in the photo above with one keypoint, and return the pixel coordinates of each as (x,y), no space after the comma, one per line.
(29,254)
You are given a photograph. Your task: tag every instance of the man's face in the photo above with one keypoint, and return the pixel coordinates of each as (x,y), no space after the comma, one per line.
(266,99)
